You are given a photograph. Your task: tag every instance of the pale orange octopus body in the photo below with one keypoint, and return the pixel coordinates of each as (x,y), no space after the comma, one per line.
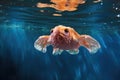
(66,38)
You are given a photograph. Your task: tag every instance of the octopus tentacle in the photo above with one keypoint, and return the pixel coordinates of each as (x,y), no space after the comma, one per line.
(74,51)
(57,51)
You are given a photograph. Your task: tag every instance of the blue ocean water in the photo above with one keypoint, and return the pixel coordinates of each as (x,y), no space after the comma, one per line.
(21,23)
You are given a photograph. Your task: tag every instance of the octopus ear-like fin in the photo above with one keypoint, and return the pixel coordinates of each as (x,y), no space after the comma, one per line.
(90,43)
(41,43)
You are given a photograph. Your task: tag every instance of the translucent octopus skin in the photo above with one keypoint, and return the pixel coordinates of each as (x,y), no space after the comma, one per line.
(66,38)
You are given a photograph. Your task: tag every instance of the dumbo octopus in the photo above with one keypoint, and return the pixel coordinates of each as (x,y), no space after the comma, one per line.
(66,38)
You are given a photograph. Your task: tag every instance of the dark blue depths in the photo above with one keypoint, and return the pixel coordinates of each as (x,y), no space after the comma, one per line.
(20,26)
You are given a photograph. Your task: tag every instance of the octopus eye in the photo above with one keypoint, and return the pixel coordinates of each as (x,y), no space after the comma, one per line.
(66,31)
(51,31)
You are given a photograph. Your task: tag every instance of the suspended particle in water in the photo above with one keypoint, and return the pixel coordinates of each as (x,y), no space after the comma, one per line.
(116,8)
(118,15)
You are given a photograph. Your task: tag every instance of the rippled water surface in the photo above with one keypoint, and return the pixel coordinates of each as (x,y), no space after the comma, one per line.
(21,23)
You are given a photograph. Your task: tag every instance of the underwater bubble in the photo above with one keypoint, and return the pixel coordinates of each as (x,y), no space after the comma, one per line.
(101,3)
(118,15)
(116,8)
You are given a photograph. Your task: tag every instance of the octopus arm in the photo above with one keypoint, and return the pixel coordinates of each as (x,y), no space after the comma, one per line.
(57,51)
(73,52)
(41,43)
(90,43)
